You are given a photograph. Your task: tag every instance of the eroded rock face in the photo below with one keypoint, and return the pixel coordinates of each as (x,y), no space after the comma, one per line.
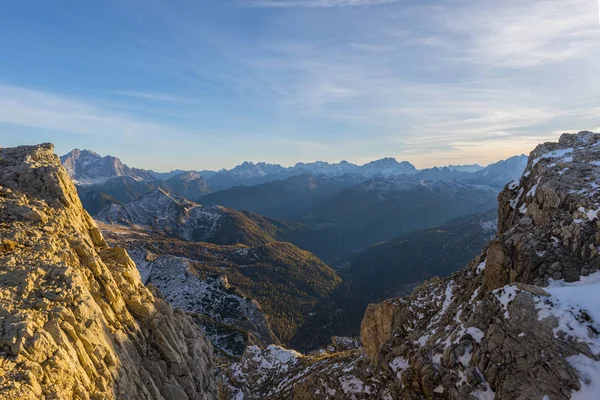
(511,325)
(492,329)
(76,320)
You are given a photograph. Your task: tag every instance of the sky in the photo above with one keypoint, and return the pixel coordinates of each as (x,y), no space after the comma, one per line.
(208,84)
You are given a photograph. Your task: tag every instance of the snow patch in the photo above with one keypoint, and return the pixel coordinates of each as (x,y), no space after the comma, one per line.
(591,214)
(485,394)
(505,295)
(523,209)
(476,333)
(583,293)
(561,154)
(513,203)
(398,365)
(480,268)
(569,303)
(532,191)
(448,298)
(589,374)
(352,385)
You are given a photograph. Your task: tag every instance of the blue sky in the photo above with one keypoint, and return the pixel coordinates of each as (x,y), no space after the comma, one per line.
(208,84)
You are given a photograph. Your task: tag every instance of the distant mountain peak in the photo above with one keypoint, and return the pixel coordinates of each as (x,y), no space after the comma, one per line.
(390,166)
(88,167)
(384,161)
(80,152)
(186,176)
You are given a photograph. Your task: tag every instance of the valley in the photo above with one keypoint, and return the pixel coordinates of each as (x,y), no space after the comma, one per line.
(302,250)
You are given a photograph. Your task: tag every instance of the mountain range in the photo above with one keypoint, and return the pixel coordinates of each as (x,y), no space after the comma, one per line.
(330,210)
(348,207)
(380,209)
(520,320)
(87,168)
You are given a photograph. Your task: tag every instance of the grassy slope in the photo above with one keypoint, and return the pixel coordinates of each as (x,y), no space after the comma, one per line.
(286,281)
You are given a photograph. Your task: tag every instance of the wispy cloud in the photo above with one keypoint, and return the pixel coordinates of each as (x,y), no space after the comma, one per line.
(520,34)
(315,3)
(49,111)
(454,80)
(375,47)
(154,96)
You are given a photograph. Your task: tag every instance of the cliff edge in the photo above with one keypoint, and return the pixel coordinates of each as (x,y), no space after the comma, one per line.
(76,322)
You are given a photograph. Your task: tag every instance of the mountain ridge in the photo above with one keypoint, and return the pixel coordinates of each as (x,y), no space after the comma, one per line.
(83,164)
(519,321)
(172,215)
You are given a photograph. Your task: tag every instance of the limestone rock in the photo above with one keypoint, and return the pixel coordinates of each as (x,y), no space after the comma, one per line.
(76,322)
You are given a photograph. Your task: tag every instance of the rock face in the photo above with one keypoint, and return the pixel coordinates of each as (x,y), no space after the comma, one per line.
(190,185)
(76,320)
(492,328)
(521,321)
(166,212)
(87,167)
(169,214)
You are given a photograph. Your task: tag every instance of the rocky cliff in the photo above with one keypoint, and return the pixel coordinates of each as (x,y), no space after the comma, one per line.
(521,321)
(76,322)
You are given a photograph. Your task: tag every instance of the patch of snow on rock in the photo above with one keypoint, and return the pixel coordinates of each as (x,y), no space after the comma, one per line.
(513,203)
(561,154)
(398,365)
(480,268)
(568,303)
(589,374)
(352,385)
(505,295)
(475,333)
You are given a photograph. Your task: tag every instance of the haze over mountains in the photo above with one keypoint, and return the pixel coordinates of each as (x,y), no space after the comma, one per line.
(342,208)
(356,219)
(86,167)
(106,180)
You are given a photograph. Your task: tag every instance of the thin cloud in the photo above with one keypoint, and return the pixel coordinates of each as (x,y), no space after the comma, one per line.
(371,47)
(49,111)
(437,79)
(518,34)
(153,96)
(316,3)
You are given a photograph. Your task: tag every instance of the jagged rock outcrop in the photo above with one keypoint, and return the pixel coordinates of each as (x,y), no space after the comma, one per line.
(76,322)
(521,321)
